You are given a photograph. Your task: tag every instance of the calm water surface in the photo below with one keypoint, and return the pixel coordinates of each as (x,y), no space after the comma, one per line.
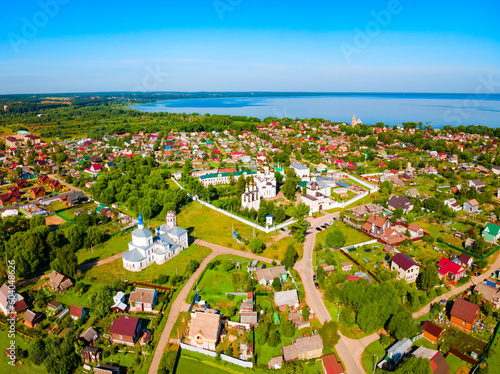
(437,109)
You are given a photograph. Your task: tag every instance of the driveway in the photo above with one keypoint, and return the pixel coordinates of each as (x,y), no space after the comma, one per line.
(179,305)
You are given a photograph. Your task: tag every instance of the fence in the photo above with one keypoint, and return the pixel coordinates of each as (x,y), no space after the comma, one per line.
(232,360)
(241,219)
(469,253)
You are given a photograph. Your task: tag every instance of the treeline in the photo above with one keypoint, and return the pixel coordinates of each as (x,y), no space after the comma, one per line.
(135,185)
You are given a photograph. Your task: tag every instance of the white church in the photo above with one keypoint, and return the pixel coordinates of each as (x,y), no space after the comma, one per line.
(263,186)
(145,248)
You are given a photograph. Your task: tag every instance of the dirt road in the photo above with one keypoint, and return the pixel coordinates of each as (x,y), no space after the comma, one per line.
(180,305)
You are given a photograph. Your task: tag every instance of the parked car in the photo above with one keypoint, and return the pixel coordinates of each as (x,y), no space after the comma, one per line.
(316,285)
(314,277)
(318,228)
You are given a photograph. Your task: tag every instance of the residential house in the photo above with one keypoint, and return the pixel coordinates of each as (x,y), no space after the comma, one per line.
(407,268)
(331,365)
(489,293)
(125,330)
(267,275)
(119,303)
(399,349)
(204,330)
(10,198)
(59,282)
(432,332)
(464,314)
(478,184)
(75,198)
(76,312)
(38,192)
(275,363)
(91,355)
(143,299)
(95,168)
(471,206)
(43,179)
(415,231)
(301,171)
(286,299)
(21,183)
(363,210)
(402,202)
(393,237)
(11,301)
(55,185)
(376,225)
(491,232)
(450,269)
(453,205)
(438,363)
(496,170)
(32,319)
(90,336)
(54,307)
(346,266)
(465,260)
(304,348)
(412,192)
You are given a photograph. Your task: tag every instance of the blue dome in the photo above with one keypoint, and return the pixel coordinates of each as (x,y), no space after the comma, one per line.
(140,219)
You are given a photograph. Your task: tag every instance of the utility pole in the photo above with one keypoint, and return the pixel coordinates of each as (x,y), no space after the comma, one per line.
(374,363)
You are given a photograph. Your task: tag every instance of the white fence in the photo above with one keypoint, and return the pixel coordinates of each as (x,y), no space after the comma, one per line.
(359,244)
(236,361)
(241,219)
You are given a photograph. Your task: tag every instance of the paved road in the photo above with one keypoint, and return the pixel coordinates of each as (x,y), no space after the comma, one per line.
(349,350)
(179,305)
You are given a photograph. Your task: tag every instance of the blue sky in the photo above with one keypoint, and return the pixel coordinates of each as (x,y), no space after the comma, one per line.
(248,45)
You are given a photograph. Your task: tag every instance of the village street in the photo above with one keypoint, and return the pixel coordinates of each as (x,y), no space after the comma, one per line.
(179,304)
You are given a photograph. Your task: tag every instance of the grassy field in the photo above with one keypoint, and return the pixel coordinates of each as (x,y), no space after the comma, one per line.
(112,271)
(277,250)
(367,359)
(352,236)
(113,246)
(212,226)
(189,365)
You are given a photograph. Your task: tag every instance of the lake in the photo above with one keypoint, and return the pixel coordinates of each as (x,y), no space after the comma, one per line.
(391,108)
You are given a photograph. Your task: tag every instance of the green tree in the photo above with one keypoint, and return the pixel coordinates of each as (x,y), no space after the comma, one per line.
(75,237)
(402,325)
(414,365)
(428,278)
(290,256)
(256,245)
(274,338)
(335,239)
(102,302)
(276,284)
(329,333)
(37,351)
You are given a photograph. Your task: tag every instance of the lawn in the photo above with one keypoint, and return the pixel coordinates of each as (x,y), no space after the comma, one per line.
(352,236)
(190,365)
(112,271)
(373,353)
(214,227)
(277,250)
(455,363)
(115,245)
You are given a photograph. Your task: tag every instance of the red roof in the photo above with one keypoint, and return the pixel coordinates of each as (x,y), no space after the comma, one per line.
(464,310)
(432,329)
(76,311)
(124,325)
(447,266)
(331,364)
(403,261)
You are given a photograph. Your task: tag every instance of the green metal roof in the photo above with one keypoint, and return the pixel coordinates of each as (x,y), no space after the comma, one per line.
(236,174)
